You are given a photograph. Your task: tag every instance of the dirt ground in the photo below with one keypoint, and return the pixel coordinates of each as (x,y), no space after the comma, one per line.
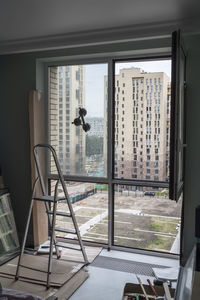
(149,222)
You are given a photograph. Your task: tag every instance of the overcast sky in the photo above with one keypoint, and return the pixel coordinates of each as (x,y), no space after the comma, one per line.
(94,81)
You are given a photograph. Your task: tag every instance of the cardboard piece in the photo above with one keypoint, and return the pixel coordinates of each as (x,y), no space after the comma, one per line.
(74,255)
(92,253)
(40,290)
(27,287)
(61,271)
(72,285)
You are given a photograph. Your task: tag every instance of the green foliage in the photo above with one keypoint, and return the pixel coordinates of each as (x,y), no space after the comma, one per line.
(94,145)
(102,187)
(163,226)
(160,243)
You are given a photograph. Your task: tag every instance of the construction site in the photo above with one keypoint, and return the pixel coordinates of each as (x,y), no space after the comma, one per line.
(140,221)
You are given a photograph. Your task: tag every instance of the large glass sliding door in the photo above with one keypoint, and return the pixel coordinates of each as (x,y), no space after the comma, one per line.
(144,217)
(117,173)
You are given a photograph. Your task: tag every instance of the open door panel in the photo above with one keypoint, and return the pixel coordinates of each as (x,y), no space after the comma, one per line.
(177,117)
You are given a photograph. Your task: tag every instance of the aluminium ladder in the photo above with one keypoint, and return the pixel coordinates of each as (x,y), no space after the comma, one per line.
(52,213)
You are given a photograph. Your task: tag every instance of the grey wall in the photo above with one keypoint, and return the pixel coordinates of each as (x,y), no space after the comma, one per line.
(18,76)
(192,175)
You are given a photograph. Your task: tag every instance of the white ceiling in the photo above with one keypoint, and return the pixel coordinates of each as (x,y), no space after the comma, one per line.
(32,19)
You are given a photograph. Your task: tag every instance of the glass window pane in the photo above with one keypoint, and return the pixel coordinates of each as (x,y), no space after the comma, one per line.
(90,205)
(80,152)
(142,120)
(9,243)
(145,218)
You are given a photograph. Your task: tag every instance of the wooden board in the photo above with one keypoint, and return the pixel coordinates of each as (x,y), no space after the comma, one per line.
(92,252)
(27,287)
(40,290)
(37,135)
(62,271)
(72,285)
(76,256)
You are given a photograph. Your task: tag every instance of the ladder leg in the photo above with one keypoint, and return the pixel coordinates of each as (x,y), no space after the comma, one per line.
(75,223)
(51,244)
(54,238)
(81,245)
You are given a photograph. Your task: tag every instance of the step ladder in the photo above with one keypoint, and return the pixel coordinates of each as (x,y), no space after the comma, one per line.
(51,214)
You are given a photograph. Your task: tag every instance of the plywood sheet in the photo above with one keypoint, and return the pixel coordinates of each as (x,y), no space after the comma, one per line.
(37,135)
(40,290)
(92,252)
(61,271)
(27,287)
(72,285)
(76,256)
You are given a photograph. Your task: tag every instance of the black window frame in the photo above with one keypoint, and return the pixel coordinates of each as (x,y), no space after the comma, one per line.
(110,179)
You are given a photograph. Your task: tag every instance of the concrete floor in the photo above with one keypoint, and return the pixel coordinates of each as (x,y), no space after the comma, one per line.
(109,284)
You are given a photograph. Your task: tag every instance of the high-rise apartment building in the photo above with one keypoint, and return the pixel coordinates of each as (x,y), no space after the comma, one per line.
(66,96)
(142,110)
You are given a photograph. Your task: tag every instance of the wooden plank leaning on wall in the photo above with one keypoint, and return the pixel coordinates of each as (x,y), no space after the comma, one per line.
(37,135)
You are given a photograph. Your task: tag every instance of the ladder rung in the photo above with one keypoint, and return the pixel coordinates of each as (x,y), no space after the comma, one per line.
(73,231)
(48,198)
(34,269)
(69,246)
(59,213)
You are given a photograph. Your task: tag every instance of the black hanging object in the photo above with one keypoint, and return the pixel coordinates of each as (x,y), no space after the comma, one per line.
(77,122)
(86,127)
(81,121)
(82,112)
